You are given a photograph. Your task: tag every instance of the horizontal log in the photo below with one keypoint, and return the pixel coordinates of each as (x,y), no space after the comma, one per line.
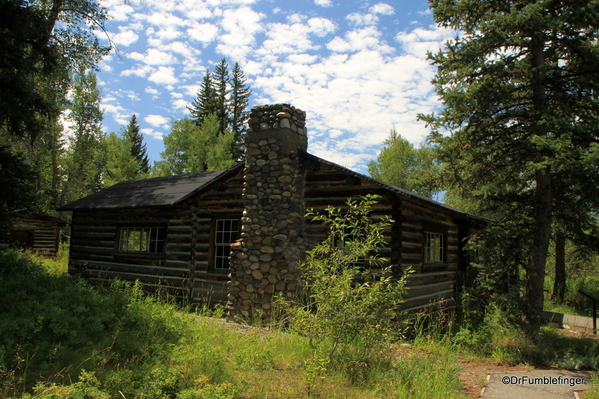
(413,291)
(427,300)
(416,279)
(182,256)
(141,269)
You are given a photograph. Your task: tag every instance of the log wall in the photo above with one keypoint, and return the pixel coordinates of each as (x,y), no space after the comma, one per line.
(185,269)
(44,235)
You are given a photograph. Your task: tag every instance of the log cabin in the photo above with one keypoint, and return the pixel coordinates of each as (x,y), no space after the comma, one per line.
(37,232)
(239,235)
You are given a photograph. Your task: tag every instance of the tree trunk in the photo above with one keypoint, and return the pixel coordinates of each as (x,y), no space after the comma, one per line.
(559,285)
(535,273)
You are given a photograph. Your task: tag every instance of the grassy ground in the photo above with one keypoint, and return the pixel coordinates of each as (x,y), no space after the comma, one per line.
(60,338)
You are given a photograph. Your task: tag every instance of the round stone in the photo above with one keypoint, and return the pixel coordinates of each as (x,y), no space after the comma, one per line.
(267,249)
(265,257)
(257,274)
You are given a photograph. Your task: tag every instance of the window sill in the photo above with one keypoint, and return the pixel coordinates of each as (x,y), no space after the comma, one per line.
(428,267)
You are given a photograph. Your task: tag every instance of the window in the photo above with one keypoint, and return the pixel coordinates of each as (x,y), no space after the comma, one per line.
(433,247)
(142,239)
(226,232)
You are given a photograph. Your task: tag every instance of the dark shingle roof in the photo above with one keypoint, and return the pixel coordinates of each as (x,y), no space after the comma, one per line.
(156,191)
(169,190)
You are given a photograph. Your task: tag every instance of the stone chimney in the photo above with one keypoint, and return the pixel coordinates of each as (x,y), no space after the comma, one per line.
(265,260)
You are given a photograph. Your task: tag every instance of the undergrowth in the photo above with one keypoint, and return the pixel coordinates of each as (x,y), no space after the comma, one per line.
(61,338)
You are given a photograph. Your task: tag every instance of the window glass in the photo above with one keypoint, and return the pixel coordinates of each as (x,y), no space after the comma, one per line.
(142,239)
(433,247)
(226,233)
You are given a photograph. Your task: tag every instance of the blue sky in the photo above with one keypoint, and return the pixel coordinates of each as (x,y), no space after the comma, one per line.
(357,68)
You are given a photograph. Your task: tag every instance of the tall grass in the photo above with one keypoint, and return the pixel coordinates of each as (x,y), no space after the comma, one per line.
(61,338)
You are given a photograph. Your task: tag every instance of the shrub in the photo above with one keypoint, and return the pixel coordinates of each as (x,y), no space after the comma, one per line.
(349,310)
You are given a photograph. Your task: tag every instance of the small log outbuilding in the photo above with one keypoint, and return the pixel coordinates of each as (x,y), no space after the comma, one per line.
(238,235)
(37,232)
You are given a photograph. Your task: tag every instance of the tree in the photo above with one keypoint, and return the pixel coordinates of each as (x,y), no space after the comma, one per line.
(18,179)
(221,84)
(120,164)
(190,148)
(86,156)
(138,148)
(240,96)
(205,102)
(519,87)
(402,165)
(227,98)
(38,40)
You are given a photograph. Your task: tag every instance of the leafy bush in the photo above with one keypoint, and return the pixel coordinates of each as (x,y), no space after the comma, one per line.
(349,311)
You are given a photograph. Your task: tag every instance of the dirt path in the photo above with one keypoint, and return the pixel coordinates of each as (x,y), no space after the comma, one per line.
(475,371)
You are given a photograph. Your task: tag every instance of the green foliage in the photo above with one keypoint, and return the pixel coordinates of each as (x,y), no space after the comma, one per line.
(126,156)
(85,160)
(191,149)
(238,102)
(74,341)
(56,325)
(226,97)
(138,149)
(120,165)
(402,165)
(350,312)
(28,55)
(519,129)
(16,183)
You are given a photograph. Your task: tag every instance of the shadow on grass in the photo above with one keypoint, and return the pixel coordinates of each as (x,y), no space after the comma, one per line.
(52,327)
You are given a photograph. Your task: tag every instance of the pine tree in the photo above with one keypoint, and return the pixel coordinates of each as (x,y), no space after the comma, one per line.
(221,84)
(519,86)
(240,96)
(138,148)
(227,98)
(205,102)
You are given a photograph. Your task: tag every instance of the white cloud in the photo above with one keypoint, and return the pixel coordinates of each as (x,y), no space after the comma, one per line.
(158,57)
(204,33)
(302,58)
(168,33)
(156,120)
(136,56)
(125,37)
(382,8)
(241,25)
(191,90)
(152,133)
(180,104)
(323,3)
(367,38)
(118,10)
(419,41)
(321,26)
(141,71)
(164,76)
(359,19)
(164,19)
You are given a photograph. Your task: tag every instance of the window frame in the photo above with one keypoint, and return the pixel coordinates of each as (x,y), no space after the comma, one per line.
(429,236)
(213,250)
(161,230)
(434,265)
